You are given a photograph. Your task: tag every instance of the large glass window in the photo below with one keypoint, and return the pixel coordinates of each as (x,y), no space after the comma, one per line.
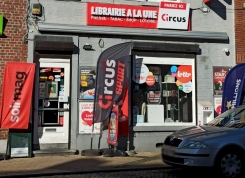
(163,91)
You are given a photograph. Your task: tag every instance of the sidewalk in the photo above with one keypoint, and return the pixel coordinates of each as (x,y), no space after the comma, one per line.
(78,163)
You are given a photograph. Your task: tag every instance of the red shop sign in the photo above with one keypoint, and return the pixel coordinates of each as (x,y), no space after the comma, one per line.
(121,15)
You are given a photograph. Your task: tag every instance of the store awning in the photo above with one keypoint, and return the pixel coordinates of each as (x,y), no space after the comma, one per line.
(133,32)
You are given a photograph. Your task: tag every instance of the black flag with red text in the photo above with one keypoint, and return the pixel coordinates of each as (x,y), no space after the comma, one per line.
(112,79)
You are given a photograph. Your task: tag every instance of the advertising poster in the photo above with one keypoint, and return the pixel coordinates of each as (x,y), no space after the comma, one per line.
(86,118)
(17,95)
(217,106)
(87,82)
(219,74)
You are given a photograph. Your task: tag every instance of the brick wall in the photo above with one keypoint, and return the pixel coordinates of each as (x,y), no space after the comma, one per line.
(12,47)
(239,31)
(4,134)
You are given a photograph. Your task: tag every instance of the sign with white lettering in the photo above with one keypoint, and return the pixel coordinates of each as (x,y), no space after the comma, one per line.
(173,15)
(121,15)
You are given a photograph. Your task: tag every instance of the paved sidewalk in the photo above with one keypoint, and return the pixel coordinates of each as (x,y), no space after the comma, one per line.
(78,163)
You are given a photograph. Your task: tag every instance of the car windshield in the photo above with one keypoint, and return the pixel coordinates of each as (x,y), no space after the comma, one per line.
(233,118)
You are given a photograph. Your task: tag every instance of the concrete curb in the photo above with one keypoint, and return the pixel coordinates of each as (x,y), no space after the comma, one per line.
(87,172)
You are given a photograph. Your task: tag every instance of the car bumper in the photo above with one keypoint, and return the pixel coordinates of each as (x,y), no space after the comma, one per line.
(188,157)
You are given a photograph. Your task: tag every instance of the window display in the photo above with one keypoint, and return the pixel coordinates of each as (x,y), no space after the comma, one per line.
(166,99)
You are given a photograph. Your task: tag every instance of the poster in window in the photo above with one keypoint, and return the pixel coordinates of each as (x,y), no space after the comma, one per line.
(217,106)
(219,74)
(87,82)
(51,89)
(86,118)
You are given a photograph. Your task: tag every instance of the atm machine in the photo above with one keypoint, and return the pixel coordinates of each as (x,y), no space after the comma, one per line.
(205,112)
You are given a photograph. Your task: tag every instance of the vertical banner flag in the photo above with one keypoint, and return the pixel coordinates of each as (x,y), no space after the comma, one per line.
(232,88)
(17,95)
(112,79)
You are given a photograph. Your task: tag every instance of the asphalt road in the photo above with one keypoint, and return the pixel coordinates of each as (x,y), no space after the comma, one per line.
(157,173)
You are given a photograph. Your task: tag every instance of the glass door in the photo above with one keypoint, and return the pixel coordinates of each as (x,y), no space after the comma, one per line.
(53,100)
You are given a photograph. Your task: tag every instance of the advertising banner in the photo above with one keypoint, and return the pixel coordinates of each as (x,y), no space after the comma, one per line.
(233,86)
(100,14)
(86,118)
(219,74)
(173,15)
(112,79)
(17,95)
(217,106)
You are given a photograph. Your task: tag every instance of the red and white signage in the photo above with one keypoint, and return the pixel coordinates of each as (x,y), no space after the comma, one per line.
(119,15)
(86,118)
(173,15)
(184,73)
(17,95)
(150,80)
(217,105)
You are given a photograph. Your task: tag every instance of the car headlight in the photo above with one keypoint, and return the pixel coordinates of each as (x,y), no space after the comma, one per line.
(195,145)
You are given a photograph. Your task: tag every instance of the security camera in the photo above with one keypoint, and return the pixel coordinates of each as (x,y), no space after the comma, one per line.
(226,50)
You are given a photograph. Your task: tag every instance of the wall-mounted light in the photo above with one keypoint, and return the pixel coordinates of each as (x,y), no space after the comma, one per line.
(37,9)
(87,46)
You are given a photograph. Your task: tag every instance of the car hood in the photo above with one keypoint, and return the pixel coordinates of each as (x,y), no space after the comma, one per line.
(202,132)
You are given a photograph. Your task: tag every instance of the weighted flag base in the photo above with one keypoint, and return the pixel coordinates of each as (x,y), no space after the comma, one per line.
(114,153)
(91,152)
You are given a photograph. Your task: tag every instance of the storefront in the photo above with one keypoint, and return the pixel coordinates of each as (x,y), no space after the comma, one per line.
(168,73)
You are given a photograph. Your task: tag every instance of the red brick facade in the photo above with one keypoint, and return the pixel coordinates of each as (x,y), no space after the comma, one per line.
(239,30)
(12,46)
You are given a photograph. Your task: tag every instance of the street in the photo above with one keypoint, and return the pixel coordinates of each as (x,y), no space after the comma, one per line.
(156,173)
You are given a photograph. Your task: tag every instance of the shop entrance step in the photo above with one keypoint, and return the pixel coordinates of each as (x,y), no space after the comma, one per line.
(54,152)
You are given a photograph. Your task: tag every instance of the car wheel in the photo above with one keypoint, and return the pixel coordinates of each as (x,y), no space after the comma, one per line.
(230,164)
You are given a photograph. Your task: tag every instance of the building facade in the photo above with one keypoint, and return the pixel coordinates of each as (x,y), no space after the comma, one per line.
(239,35)
(13,44)
(66,40)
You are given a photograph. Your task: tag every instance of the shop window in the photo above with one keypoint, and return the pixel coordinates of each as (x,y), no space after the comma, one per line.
(162,93)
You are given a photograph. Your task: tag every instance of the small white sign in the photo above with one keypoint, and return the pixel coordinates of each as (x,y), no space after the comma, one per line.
(187,87)
(19,152)
(63,98)
(173,15)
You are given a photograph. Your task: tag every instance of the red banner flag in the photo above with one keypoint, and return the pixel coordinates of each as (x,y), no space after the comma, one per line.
(17,95)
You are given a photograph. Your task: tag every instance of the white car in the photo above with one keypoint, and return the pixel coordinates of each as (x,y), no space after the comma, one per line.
(219,144)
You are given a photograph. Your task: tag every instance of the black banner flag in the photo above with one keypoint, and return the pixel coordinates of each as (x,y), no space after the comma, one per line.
(111,81)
